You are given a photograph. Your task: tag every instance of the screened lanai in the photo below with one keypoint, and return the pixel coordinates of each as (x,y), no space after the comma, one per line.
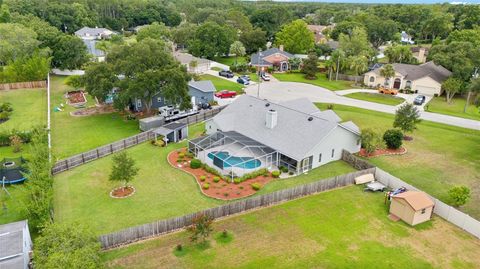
(233,154)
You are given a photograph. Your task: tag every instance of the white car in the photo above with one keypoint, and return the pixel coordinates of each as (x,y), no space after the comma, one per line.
(265,77)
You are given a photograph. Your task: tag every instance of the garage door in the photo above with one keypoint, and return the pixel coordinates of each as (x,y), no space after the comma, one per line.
(427,90)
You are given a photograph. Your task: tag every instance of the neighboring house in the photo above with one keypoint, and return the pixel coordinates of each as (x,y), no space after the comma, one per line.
(90,37)
(425,79)
(202,65)
(275,58)
(420,53)
(15,245)
(406,38)
(333,44)
(317,31)
(254,133)
(413,207)
(200,92)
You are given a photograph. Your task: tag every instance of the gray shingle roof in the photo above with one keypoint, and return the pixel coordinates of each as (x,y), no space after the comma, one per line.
(11,245)
(294,135)
(263,54)
(92,32)
(202,85)
(414,72)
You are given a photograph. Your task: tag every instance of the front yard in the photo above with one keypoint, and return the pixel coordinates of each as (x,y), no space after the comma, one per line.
(377,98)
(230,60)
(345,228)
(321,81)
(439,105)
(439,157)
(223,84)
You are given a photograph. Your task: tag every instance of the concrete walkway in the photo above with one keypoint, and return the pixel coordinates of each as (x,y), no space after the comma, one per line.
(283,91)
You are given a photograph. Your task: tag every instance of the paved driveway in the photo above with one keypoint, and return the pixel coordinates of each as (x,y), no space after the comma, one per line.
(283,91)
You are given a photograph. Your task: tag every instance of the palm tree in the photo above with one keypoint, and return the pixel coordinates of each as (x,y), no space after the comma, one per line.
(338,58)
(358,64)
(387,72)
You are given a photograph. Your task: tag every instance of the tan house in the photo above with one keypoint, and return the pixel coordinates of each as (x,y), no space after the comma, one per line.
(275,58)
(424,79)
(317,31)
(413,207)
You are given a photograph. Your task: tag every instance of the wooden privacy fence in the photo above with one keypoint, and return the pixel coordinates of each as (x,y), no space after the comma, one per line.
(23,85)
(144,231)
(85,157)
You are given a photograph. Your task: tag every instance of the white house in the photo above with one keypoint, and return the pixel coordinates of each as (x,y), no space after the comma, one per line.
(406,38)
(425,79)
(254,133)
(90,37)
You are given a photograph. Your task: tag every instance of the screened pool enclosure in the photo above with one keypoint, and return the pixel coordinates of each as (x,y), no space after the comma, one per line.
(233,154)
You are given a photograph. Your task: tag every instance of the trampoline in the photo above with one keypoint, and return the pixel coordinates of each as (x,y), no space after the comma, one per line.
(12,170)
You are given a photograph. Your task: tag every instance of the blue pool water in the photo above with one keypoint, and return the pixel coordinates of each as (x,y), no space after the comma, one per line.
(224,160)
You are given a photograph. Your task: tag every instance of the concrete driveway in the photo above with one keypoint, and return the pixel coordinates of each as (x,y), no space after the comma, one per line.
(234,79)
(284,91)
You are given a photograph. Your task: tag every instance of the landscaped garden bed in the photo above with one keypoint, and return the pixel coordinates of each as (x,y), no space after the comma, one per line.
(213,184)
(93,111)
(122,192)
(76,98)
(383,152)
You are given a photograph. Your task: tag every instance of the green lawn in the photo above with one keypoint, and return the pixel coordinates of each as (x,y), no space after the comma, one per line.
(29,108)
(377,98)
(230,61)
(439,157)
(223,84)
(439,105)
(345,228)
(72,135)
(321,81)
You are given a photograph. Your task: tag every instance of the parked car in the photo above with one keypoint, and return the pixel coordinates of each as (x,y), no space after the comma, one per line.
(243,81)
(226,94)
(265,77)
(387,91)
(245,77)
(204,106)
(226,73)
(419,100)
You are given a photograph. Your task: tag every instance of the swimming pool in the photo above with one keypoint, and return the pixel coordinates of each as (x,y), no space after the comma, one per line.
(223,159)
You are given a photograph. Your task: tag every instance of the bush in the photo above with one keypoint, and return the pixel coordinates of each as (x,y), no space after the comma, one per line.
(206,186)
(216,179)
(202,178)
(211,170)
(276,174)
(459,195)
(195,164)
(189,155)
(179,247)
(237,180)
(370,140)
(393,138)
(284,169)
(256,186)
(290,173)
(181,155)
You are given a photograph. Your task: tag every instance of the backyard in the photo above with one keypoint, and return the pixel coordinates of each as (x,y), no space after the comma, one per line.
(377,98)
(439,105)
(72,135)
(29,108)
(345,228)
(223,84)
(321,81)
(162,191)
(439,157)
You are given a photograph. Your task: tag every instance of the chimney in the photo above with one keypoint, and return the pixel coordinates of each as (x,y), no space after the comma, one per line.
(280,47)
(271,121)
(421,55)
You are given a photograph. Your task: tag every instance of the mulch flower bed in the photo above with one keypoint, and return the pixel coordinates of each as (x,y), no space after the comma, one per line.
(92,111)
(383,152)
(219,190)
(76,98)
(122,192)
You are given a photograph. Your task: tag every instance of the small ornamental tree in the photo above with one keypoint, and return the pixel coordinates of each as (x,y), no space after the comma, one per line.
(310,67)
(16,143)
(406,118)
(123,169)
(201,228)
(451,86)
(393,138)
(370,140)
(459,195)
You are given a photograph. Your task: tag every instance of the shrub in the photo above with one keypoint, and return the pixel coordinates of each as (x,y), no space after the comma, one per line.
(256,186)
(179,247)
(206,186)
(237,180)
(195,164)
(189,155)
(290,173)
(216,179)
(16,143)
(202,178)
(181,155)
(276,174)
(241,187)
(211,170)
(459,195)
(284,169)
(370,140)
(226,194)
(393,138)
(330,106)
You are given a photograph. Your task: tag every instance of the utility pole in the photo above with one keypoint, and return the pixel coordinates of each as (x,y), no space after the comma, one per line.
(338,66)
(258,74)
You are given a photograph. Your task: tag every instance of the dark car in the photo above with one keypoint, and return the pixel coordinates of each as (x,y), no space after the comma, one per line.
(226,73)
(419,100)
(204,106)
(245,77)
(243,81)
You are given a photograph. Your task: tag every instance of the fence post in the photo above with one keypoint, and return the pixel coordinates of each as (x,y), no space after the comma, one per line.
(98,155)
(111,148)
(83,158)
(124,143)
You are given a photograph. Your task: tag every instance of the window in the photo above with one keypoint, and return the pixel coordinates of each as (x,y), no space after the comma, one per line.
(372,79)
(159,99)
(423,211)
(408,84)
(333,152)
(320,158)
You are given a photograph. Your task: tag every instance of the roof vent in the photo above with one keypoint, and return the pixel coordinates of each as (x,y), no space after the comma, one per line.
(310,118)
(271,119)
(267,104)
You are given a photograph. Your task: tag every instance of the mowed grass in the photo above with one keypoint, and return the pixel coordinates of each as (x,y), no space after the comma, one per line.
(321,81)
(439,105)
(439,157)
(29,108)
(377,98)
(72,135)
(82,194)
(223,84)
(345,228)
(230,61)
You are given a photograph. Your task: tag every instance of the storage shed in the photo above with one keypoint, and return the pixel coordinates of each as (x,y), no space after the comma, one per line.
(174,131)
(413,207)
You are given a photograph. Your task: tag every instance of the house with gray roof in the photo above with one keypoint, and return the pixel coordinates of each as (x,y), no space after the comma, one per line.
(253,133)
(15,245)
(424,79)
(90,37)
(275,58)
